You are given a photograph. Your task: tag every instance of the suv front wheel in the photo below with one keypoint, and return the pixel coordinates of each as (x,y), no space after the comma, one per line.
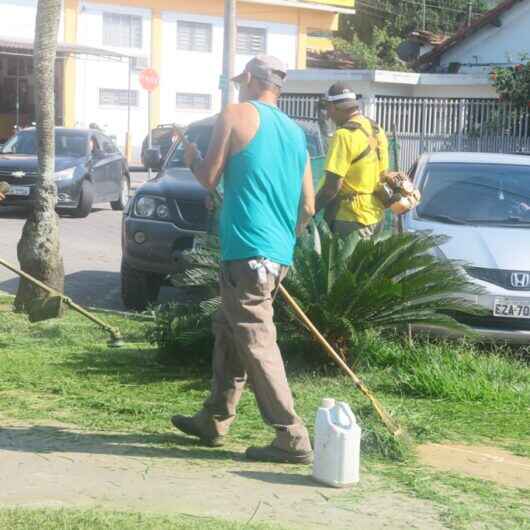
(138,288)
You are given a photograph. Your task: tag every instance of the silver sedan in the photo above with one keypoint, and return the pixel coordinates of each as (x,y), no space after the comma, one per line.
(482,202)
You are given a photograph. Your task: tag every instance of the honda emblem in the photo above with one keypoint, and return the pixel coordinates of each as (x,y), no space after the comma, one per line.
(520,280)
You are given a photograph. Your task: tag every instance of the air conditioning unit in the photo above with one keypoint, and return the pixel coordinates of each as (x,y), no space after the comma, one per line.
(139,63)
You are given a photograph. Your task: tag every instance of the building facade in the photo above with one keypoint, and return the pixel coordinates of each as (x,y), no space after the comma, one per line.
(181,39)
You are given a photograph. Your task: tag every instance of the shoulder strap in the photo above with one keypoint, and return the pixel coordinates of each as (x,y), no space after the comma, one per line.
(373,139)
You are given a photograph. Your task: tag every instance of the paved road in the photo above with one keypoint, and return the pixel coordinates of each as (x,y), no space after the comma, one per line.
(91,250)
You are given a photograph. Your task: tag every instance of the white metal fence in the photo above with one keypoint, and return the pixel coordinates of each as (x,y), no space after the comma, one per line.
(436,124)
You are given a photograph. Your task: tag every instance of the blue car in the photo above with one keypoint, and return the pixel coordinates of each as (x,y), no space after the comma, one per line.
(89,170)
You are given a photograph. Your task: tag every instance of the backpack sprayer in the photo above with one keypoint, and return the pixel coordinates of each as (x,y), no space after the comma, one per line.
(387,420)
(52,306)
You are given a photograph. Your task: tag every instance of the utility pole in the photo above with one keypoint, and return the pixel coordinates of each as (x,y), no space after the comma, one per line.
(424,17)
(229,51)
(469,12)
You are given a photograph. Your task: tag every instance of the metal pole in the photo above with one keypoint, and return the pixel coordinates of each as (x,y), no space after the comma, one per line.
(17,103)
(150,135)
(424,17)
(128,137)
(470,12)
(229,50)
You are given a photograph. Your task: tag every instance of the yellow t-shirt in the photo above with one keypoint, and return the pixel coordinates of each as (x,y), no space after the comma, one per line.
(363,176)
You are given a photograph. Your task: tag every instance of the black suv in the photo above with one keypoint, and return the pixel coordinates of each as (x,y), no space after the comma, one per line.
(167,212)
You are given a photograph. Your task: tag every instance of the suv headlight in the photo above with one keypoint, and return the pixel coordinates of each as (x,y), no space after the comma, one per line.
(65,174)
(151,207)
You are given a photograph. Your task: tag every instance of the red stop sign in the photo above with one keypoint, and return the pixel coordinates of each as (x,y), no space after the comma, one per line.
(149,79)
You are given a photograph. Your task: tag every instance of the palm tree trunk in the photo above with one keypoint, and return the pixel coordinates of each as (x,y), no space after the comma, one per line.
(38,249)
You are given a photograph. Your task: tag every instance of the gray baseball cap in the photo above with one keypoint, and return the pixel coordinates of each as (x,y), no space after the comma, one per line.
(266,68)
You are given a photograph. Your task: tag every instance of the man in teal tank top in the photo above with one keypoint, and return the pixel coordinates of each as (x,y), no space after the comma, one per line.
(268,198)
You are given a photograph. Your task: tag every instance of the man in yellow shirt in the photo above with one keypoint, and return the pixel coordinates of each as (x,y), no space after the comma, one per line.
(357,157)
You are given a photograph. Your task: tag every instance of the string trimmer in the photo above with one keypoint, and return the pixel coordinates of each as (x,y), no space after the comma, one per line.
(387,420)
(52,306)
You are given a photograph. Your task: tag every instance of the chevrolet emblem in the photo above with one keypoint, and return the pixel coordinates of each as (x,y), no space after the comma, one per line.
(18,174)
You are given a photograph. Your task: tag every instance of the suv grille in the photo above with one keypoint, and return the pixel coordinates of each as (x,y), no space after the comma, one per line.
(502,278)
(193,213)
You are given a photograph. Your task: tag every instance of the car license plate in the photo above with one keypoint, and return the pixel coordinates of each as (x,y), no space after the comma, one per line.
(512,308)
(19,191)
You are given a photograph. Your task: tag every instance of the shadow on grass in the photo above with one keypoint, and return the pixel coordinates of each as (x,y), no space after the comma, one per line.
(51,439)
(136,366)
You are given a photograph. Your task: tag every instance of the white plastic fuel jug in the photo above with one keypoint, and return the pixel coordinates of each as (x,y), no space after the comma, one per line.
(337,445)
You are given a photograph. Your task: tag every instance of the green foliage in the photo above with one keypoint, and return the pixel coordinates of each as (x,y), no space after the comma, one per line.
(357,285)
(400,17)
(513,84)
(183,332)
(373,34)
(78,519)
(378,52)
(452,370)
(350,287)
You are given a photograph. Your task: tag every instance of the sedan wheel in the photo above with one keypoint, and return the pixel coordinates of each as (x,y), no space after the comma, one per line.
(121,203)
(86,199)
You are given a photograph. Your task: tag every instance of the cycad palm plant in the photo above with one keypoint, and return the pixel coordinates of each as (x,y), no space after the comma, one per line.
(354,285)
(347,286)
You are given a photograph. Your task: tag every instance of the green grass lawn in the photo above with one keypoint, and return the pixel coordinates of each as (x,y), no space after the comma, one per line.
(47,519)
(64,371)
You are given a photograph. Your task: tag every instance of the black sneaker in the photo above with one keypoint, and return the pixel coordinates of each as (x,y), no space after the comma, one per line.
(188,426)
(270,453)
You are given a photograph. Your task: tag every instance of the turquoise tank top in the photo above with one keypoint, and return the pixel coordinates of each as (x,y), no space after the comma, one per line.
(262,186)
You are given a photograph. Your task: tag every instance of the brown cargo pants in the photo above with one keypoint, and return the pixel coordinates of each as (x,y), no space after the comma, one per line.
(245,347)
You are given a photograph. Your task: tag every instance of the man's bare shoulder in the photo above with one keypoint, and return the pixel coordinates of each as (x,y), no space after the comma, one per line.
(236,111)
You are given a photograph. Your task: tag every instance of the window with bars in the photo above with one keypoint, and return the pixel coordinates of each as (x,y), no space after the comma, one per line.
(118,97)
(251,41)
(123,31)
(194,36)
(190,101)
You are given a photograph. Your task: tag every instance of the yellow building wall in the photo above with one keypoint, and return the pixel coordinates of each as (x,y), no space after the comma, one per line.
(303,19)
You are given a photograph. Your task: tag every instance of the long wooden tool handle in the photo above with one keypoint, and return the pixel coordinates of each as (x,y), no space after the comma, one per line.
(113,331)
(314,331)
(336,357)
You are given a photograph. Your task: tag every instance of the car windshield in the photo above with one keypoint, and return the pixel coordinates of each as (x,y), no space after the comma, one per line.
(494,194)
(66,144)
(198,135)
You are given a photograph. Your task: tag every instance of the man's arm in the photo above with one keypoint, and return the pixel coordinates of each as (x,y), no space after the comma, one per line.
(209,171)
(340,154)
(329,191)
(306,209)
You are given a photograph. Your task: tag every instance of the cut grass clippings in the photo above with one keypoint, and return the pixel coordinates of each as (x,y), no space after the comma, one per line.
(63,371)
(48,519)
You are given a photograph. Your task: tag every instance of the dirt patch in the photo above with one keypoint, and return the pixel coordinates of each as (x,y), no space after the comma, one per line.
(50,465)
(490,463)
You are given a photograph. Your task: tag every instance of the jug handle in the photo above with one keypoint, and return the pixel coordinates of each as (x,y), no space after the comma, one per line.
(347,411)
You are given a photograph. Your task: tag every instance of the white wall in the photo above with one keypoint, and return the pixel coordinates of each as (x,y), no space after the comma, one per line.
(93,74)
(199,72)
(188,71)
(380,83)
(17,19)
(499,45)
(181,71)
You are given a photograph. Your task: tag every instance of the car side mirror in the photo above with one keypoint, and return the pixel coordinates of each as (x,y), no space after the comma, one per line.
(153,159)
(97,154)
